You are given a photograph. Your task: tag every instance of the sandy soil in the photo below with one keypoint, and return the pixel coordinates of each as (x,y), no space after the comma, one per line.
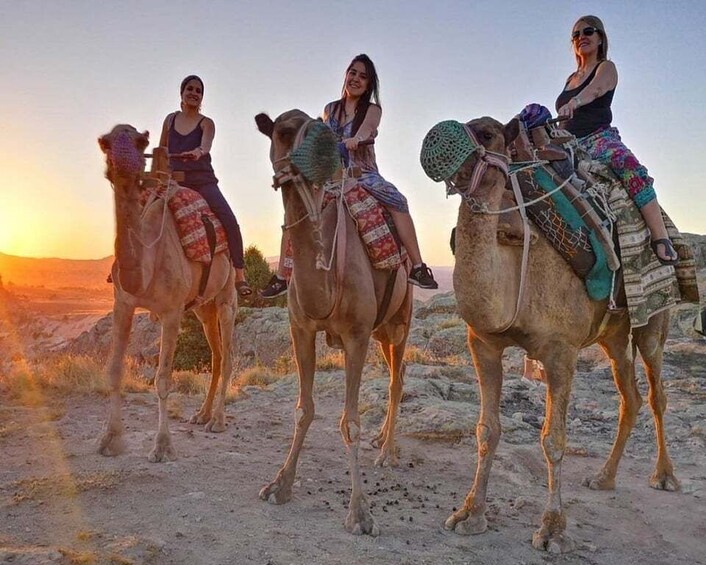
(60,502)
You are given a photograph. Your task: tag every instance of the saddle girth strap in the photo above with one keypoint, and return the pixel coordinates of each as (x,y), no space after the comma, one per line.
(206,268)
(386,297)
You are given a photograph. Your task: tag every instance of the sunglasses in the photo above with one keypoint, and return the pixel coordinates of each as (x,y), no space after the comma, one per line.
(587,31)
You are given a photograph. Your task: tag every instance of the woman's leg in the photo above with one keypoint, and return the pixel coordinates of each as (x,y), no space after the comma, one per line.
(218,204)
(420,274)
(609,149)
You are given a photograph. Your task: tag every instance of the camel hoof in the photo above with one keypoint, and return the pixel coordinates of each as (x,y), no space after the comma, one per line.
(159,454)
(361,522)
(111,444)
(599,482)
(200,418)
(665,481)
(215,426)
(466,524)
(387,458)
(377,442)
(275,493)
(555,543)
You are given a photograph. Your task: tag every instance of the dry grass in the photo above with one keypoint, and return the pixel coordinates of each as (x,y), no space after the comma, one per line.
(188,382)
(450,322)
(413,354)
(64,375)
(65,485)
(256,376)
(331,362)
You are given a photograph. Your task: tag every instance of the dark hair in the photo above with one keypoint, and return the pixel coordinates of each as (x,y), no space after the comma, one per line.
(186,81)
(596,22)
(370,95)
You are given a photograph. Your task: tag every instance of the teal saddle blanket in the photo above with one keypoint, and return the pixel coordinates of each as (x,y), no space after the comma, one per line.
(564,228)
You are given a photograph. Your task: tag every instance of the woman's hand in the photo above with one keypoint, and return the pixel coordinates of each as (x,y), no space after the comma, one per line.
(193,155)
(351,143)
(568,109)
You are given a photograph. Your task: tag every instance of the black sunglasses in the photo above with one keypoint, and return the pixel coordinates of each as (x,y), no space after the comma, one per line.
(587,31)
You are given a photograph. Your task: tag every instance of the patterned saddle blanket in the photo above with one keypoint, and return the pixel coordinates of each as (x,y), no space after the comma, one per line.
(375,228)
(191,214)
(566,230)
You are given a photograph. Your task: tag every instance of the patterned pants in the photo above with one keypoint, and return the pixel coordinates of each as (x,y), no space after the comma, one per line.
(605,146)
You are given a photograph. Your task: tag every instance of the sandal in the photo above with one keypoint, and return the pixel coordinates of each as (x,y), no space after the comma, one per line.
(668,249)
(243,289)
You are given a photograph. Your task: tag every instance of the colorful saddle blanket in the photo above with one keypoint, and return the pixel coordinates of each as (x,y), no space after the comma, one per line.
(191,212)
(375,227)
(567,232)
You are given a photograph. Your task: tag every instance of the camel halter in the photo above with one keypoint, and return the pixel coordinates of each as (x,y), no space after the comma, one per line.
(312,196)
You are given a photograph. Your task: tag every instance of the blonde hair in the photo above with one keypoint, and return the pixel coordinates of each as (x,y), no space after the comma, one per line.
(596,22)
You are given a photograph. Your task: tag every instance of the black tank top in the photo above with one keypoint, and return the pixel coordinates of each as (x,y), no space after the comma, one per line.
(591,117)
(196,173)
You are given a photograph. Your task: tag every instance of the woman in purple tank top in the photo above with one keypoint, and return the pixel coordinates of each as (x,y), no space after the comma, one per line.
(188,135)
(585,102)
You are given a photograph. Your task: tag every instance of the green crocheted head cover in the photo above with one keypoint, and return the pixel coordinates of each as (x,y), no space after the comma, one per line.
(317,157)
(444,150)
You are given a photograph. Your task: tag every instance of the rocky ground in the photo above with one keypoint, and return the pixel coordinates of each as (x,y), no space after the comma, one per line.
(60,502)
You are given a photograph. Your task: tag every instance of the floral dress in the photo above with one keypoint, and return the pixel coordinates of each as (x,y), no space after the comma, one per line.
(364,158)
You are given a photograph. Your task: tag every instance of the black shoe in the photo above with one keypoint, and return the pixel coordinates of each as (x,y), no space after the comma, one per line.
(276,287)
(422,277)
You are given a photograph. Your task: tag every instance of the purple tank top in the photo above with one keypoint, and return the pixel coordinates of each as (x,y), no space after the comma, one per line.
(196,173)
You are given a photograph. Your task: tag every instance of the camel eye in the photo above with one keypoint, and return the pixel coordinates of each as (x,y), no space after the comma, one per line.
(487,136)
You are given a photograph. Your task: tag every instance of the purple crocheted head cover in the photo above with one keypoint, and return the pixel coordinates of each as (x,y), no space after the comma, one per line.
(124,156)
(534,115)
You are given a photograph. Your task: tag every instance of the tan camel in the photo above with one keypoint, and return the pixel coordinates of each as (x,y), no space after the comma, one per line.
(346,308)
(152,272)
(556,320)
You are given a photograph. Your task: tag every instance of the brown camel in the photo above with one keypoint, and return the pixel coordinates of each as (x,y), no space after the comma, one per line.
(151,271)
(345,307)
(555,321)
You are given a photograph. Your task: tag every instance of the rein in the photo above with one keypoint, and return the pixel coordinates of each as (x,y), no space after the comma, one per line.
(313,204)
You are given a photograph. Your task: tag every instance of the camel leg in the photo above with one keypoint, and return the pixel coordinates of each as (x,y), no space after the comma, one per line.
(226,321)
(112,441)
(622,364)
(209,318)
(359,520)
(650,341)
(279,491)
(163,449)
(560,363)
(470,518)
(385,440)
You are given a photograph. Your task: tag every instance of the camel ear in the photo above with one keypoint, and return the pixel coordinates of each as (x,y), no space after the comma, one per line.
(265,124)
(142,140)
(511,131)
(104,143)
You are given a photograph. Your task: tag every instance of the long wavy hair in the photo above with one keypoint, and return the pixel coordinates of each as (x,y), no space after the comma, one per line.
(371,94)
(596,22)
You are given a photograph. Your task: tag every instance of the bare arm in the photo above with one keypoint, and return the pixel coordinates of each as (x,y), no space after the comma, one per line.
(208,129)
(163,139)
(367,128)
(606,79)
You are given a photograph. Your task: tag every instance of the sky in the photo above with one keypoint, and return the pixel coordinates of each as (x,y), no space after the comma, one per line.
(71,70)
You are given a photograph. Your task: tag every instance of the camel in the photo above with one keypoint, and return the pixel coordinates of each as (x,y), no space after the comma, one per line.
(151,271)
(555,320)
(345,307)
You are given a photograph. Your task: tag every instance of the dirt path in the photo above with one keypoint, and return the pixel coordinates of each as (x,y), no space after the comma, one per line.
(60,502)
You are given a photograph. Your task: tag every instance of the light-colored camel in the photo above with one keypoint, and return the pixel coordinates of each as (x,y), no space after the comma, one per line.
(556,320)
(346,308)
(151,271)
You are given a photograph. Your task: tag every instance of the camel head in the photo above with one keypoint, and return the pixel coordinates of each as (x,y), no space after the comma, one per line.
(124,148)
(459,154)
(304,154)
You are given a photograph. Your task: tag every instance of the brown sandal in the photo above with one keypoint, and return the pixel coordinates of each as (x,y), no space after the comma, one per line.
(668,250)
(243,289)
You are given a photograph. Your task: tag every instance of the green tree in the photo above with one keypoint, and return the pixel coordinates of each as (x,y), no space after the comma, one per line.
(258,274)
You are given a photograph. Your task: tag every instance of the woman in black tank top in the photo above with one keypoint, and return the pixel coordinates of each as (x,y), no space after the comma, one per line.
(585,102)
(188,135)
